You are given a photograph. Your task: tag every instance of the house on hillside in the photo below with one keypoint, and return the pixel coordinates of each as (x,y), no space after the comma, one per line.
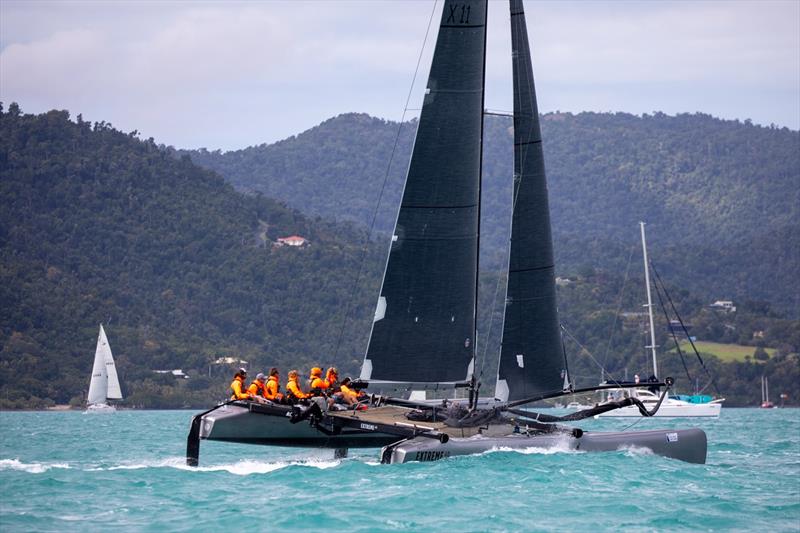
(178,373)
(293,240)
(724,305)
(222,365)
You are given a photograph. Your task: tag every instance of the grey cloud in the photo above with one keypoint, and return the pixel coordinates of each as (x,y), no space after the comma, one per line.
(233,74)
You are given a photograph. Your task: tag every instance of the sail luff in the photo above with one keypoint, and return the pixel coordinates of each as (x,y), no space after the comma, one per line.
(424,325)
(531,360)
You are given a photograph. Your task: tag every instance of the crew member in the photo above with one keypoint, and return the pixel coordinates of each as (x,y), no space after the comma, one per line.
(258,389)
(293,390)
(318,385)
(237,386)
(332,377)
(273,392)
(348,396)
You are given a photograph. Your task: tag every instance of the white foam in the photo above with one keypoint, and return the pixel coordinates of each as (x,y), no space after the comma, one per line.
(636,450)
(32,468)
(534,450)
(244,467)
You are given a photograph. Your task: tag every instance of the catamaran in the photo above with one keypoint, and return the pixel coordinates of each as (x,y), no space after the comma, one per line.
(424,327)
(104,385)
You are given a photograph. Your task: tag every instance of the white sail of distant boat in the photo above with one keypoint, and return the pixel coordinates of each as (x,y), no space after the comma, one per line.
(765,403)
(104,385)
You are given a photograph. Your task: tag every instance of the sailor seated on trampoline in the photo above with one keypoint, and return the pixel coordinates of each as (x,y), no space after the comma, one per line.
(273,388)
(317,385)
(293,391)
(237,386)
(332,377)
(348,396)
(258,389)
(322,387)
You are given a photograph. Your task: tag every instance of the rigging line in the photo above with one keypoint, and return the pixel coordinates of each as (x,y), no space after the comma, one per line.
(686,331)
(671,329)
(619,307)
(636,422)
(589,353)
(383,186)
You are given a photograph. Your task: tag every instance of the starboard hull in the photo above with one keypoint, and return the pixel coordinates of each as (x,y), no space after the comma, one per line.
(688,445)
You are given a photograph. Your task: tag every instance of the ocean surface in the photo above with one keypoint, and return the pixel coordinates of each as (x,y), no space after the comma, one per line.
(66,471)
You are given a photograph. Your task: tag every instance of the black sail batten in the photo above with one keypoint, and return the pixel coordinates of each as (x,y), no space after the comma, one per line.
(424,323)
(531,360)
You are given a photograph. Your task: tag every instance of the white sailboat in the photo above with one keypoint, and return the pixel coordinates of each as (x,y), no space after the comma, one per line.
(765,403)
(670,407)
(104,385)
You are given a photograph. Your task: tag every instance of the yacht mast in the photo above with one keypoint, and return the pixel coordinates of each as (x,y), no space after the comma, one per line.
(649,302)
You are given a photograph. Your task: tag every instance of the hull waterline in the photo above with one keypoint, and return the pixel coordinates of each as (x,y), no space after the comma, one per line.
(100,408)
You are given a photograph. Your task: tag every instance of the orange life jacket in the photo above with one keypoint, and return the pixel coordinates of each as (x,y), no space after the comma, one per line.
(236,386)
(273,389)
(257,388)
(331,378)
(293,389)
(347,392)
(318,385)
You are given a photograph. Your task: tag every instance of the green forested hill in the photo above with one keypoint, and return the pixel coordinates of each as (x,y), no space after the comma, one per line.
(722,198)
(98,226)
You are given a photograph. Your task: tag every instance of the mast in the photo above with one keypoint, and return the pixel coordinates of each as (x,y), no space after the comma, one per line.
(423,330)
(531,357)
(649,302)
(471,375)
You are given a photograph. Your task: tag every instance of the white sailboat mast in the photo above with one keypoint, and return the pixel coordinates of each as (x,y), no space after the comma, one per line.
(649,302)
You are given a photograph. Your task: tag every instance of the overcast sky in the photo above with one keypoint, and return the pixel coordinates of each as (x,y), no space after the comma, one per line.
(230,75)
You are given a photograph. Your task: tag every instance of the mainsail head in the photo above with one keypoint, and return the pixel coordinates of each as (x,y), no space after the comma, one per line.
(424,325)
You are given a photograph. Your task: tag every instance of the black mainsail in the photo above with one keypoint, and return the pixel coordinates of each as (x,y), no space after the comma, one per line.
(531,360)
(424,325)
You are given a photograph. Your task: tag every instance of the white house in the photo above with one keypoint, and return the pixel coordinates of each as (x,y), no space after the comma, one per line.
(724,305)
(293,240)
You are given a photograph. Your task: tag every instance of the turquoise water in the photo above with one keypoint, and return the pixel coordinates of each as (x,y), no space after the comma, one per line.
(65,471)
